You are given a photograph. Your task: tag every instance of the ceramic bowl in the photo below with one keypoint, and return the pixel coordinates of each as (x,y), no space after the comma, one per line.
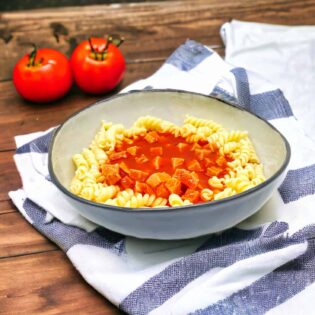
(168,223)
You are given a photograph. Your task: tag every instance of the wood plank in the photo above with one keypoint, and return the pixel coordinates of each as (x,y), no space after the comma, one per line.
(32,4)
(47,283)
(23,117)
(7,206)
(10,179)
(63,28)
(18,237)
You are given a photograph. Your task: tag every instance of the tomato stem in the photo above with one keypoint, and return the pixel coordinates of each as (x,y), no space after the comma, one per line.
(32,56)
(104,51)
(117,41)
(100,55)
(91,46)
(109,39)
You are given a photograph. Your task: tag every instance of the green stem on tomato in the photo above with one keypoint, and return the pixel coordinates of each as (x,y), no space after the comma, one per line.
(109,39)
(91,45)
(104,51)
(32,56)
(118,41)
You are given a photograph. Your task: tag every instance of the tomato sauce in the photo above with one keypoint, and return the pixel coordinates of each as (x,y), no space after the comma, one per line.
(172,158)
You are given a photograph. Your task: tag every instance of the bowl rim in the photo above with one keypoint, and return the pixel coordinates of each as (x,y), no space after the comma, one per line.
(208,204)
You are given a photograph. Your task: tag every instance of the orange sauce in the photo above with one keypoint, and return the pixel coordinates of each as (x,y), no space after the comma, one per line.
(163,153)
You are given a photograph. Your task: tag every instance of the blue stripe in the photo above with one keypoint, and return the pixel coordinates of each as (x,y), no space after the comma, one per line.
(298,183)
(219,251)
(223,95)
(242,87)
(66,236)
(268,105)
(276,228)
(188,55)
(274,288)
(148,87)
(40,144)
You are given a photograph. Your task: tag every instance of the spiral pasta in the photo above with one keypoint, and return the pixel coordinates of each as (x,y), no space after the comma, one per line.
(177,201)
(206,194)
(104,193)
(79,160)
(130,199)
(149,123)
(227,192)
(167,126)
(76,186)
(198,122)
(216,182)
(157,164)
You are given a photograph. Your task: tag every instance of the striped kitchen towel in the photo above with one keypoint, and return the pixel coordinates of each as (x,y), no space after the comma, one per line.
(264,265)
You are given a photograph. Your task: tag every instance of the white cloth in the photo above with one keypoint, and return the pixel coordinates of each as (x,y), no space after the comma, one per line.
(284,55)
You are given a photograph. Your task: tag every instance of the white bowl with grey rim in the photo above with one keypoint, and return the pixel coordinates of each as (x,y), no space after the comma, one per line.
(78,131)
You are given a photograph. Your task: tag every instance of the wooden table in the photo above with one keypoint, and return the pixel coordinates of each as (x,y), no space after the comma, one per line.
(35,276)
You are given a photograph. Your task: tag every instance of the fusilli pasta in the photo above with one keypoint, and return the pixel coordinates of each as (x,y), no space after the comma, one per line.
(156,163)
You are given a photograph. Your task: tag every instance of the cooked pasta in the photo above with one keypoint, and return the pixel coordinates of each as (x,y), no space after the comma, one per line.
(176,201)
(79,160)
(128,198)
(158,164)
(206,194)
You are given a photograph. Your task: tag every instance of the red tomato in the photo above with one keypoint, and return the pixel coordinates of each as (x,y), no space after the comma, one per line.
(97,67)
(44,75)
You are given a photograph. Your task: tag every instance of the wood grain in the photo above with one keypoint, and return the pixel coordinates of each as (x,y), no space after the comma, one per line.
(18,237)
(7,206)
(47,283)
(147,35)
(10,179)
(32,4)
(152,30)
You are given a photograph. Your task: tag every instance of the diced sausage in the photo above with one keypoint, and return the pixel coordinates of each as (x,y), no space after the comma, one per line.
(177,162)
(138,175)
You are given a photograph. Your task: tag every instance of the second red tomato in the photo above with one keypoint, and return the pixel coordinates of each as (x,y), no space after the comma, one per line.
(97,66)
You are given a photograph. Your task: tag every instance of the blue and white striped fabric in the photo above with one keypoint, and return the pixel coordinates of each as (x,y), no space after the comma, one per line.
(264,265)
